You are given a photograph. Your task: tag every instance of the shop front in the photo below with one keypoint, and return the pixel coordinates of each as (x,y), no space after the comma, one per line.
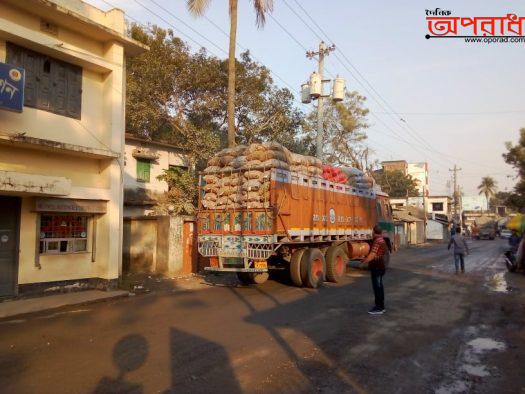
(49,243)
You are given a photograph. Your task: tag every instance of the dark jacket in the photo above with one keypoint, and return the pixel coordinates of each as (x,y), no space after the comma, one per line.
(460,245)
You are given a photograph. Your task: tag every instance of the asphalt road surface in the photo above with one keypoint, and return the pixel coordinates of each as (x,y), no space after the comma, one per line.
(442,333)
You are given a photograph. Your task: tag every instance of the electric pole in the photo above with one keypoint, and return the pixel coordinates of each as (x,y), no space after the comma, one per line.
(455,194)
(321,53)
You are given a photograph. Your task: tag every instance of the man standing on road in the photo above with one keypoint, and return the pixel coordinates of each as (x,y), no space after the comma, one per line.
(376,263)
(460,249)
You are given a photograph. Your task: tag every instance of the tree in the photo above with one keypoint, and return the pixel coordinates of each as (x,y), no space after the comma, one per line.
(198,7)
(178,97)
(344,124)
(487,187)
(515,156)
(396,183)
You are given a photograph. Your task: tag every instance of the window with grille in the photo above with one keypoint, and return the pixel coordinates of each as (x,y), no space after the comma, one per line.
(143,170)
(63,233)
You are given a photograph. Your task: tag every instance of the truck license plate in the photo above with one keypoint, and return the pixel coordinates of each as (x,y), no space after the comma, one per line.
(261,264)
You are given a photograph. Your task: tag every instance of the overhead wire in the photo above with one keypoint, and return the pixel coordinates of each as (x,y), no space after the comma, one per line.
(421,140)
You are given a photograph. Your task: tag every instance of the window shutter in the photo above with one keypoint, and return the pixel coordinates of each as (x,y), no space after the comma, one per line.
(43,97)
(74,91)
(59,88)
(143,170)
(25,59)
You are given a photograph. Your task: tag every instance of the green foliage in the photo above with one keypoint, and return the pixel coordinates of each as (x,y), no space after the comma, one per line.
(182,195)
(344,131)
(487,187)
(515,156)
(396,183)
(181,98)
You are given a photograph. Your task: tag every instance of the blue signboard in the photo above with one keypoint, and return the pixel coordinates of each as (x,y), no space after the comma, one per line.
(11,87)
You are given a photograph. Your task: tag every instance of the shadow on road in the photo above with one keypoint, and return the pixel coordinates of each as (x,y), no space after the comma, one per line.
(129,354)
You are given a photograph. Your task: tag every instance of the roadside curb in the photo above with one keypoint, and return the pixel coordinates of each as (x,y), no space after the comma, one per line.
(30,306)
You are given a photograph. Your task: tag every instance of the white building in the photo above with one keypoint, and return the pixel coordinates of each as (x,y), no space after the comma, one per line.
(474,203)
(144,162)
(419,172)
(435,204)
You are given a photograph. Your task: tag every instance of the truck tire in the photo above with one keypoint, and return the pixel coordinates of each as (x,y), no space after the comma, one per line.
(253,278)
(295,267)
(335,264)
(312,268)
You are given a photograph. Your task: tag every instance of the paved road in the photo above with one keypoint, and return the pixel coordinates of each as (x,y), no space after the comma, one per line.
(442,333)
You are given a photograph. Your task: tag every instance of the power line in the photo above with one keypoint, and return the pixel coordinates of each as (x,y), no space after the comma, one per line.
(425,145)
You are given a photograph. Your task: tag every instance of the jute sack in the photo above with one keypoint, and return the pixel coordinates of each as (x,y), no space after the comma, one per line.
(212,169)
(210,197)
(222,200)
(252,164)
(226,160)
(236,181)
(274,163)
(277,155)
(227,170)
(210,187)
(211,179)
(314,171)
(209,204)
(252,185)
(259,155)
(238,162)
(253,174)
(237,198)
(226,191)
(214,161)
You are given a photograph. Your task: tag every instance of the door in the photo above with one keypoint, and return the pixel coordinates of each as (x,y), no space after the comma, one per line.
(189,253)
(9,227)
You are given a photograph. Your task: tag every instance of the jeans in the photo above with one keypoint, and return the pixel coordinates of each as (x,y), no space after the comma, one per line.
(459,259)
(377,284)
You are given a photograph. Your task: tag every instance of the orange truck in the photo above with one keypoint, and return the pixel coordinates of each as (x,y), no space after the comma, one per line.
(310,226)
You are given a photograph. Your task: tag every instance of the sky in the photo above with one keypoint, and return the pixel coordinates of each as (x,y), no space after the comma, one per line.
(443,101)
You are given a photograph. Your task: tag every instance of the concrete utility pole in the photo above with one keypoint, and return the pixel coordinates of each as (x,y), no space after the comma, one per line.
(455,194)
(322,52)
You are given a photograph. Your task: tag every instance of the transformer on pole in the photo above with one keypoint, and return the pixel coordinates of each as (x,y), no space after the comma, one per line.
(313,90)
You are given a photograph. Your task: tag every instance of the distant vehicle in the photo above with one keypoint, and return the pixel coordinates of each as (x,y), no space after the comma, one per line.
(487,233)
(505,233)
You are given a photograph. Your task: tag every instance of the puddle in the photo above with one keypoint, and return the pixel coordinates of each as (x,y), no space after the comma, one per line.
(480,345)
(497,283)
(476,370)
(454,388)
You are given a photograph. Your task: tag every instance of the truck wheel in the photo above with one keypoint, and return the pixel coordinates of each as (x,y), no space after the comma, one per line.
(335,264)
(312,267)
(259,278)
(295,267)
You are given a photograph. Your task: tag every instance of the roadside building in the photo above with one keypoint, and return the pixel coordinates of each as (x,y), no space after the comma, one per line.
(62,144)
(144,162)
(474,203)
(418,171)
(409,228)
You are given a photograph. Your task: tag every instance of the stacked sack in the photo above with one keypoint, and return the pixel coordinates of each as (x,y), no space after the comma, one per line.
(348,175)
(239,177)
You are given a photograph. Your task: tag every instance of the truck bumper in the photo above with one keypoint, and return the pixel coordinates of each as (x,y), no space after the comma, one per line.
(218,269)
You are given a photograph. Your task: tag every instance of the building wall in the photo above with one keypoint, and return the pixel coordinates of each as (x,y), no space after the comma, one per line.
(419,171)
(166,158)
(474,203)
(101,128)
